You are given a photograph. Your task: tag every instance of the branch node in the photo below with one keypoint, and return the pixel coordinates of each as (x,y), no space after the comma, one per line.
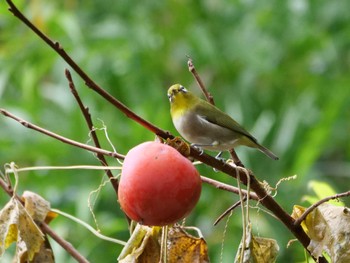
(58,45)
(190,64)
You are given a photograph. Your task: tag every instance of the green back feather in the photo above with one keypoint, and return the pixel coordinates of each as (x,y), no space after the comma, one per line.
(218,117)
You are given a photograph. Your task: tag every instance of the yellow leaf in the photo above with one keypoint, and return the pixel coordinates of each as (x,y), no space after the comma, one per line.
(264,250)
(45,254)
(36,206)
(328,228)
(297,212)
(183,247)
(151,248)
(257,249)
(136,244)
(144,246)
(17,226)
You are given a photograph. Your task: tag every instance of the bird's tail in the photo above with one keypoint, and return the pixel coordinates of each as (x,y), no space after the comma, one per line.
(267,152)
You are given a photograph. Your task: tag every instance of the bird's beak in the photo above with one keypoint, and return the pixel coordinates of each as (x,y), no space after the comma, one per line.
(170,97)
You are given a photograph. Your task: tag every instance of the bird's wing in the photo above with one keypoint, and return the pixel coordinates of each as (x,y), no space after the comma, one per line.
(217,117)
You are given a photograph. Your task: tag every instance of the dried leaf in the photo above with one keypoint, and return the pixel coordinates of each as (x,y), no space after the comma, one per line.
(329,231)
(257,249)
(45,254)
(265,250)
(179,145)
(297,212)
(39,209)
(17,226)
(151,249)
(135,245)
(50,216)
(36,206)
(144,246)
(183,247)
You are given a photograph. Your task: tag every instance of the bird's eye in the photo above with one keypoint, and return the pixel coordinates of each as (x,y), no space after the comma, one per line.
(183,89)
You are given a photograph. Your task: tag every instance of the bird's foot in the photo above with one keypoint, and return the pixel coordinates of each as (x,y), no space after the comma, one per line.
(218,157)
(197,147)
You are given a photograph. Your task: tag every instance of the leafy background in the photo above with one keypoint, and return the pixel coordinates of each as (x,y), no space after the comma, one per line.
(281,68)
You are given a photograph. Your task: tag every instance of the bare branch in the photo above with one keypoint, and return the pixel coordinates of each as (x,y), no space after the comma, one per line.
(88,120)
(7,188)
(63,243)
(59,137)
(235,158)
(324,200)
(200,83)
(228,210)
(226,187)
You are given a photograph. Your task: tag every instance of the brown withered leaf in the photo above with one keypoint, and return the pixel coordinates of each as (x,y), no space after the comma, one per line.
(257,249)
(264,250)
(151,251)
(183,247)
(36,206)
(16,225)
(137,243)
(179,145)
(328,228)
(144,246)
(39,209)
(45,254)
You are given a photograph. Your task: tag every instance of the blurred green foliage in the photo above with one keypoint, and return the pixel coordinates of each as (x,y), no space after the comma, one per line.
(281,68)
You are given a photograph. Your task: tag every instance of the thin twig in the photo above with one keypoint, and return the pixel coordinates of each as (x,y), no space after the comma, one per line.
(226,187)
(63,243)
(311,208)
(244,222)
(63,167)
(200,83)
(228,210)
(88,227)
(235,158)
(88,120)
(59,137)
(7,188)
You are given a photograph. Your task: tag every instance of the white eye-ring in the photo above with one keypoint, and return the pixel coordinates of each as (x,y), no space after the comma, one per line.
(183,89)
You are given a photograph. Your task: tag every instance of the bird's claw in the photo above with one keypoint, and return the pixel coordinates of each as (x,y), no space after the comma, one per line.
(197,148)
(218,157)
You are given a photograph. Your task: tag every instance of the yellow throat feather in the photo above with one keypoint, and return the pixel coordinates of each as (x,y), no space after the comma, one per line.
(180,102)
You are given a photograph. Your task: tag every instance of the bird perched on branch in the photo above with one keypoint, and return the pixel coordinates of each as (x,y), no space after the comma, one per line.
(207,127)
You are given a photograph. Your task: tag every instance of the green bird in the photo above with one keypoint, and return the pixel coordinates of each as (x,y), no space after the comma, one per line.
(207,127)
